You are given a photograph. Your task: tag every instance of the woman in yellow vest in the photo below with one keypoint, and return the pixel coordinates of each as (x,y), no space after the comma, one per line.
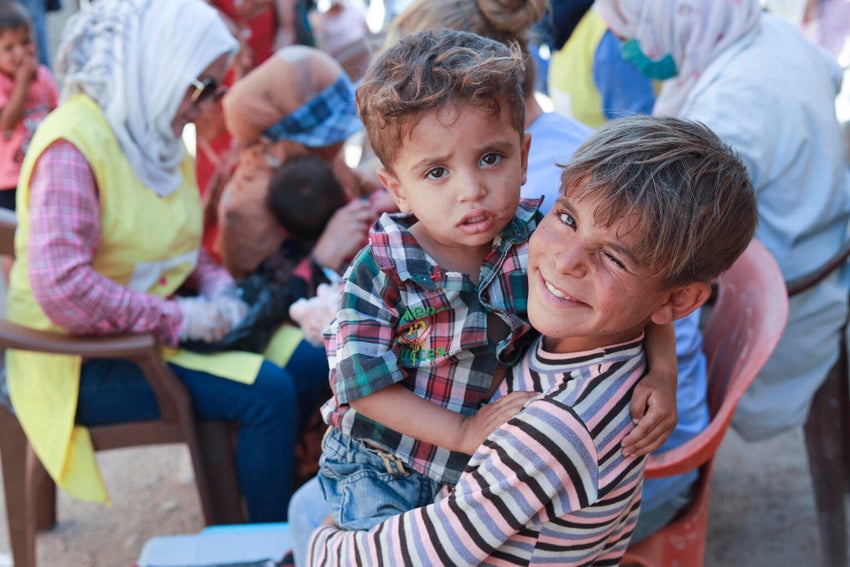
(110,223)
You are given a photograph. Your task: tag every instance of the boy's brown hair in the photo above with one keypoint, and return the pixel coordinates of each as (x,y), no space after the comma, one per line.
(428,70)
(690,197)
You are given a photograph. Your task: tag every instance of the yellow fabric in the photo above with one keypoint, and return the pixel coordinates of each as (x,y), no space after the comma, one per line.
(137,250)
(241,366)
(570,79)
(283,344)
(233,365)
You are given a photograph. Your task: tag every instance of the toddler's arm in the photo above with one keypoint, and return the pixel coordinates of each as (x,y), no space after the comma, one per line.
(12,113)
(400,409)
(653,403)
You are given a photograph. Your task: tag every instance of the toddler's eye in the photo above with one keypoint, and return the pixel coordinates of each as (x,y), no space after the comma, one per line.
(436,173)
(491,159)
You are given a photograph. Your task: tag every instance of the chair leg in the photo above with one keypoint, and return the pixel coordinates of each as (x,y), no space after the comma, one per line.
(44,493)
(827,433)
(217,456)
(19,515)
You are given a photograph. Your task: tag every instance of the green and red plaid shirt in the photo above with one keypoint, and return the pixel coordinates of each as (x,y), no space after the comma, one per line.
(403,319)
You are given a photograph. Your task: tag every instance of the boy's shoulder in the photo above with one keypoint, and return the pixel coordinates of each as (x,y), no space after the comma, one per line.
(394,249)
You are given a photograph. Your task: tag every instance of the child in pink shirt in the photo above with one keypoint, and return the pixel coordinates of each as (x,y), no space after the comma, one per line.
(27,94)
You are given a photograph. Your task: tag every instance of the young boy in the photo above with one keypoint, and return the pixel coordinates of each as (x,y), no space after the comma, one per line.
(434,310)
(651,211)
(27,94)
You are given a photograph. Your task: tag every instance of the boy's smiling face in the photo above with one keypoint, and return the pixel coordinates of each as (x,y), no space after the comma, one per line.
(586,287)
(460,173)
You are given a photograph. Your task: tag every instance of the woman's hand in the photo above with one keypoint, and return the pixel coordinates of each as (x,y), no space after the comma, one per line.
(209,320)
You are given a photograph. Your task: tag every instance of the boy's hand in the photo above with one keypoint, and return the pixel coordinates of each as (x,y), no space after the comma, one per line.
(653,408)
(476,428)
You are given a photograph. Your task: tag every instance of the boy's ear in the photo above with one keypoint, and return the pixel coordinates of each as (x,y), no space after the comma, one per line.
(681,302)
(525,145)
(393,185)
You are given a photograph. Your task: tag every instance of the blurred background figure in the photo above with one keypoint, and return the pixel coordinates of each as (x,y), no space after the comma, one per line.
(753,78)
(587,77)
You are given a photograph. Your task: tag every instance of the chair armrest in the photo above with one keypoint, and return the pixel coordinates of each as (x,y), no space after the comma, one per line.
(20,337)
(689,456)
(141,349)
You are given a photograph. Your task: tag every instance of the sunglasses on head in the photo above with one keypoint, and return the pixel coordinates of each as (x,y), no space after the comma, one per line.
(205,89)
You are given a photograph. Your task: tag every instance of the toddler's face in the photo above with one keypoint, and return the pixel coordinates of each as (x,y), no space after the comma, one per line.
(587,289)
(459,171)
(16,46)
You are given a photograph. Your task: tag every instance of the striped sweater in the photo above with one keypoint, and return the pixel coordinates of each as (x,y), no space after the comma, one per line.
(550,487)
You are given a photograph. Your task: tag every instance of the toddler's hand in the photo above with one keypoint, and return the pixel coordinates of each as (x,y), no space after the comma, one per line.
(476,428)
(653,409)
(27,71)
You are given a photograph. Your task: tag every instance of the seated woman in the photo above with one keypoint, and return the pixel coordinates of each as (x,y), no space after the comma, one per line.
(109,229)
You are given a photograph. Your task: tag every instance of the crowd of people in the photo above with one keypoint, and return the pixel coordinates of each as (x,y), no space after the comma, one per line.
(517,286)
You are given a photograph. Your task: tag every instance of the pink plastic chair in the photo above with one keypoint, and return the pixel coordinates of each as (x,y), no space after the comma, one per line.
(745,324)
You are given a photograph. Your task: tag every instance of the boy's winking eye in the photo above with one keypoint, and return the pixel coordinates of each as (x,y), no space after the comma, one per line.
(615,252)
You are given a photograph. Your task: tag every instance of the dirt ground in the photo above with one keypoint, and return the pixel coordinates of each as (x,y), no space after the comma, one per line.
(762,514)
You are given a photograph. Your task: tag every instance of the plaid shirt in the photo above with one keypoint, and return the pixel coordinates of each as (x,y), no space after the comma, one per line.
(402,319)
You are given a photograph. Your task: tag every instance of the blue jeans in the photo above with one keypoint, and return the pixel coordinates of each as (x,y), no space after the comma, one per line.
(307,510)
(650,521)
(271,413)
(364,486)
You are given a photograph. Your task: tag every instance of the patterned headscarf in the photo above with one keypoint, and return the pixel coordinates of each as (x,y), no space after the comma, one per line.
(300,94)
(136,59)
(693,32)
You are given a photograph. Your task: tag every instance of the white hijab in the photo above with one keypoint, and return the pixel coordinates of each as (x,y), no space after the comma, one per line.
(693,32)
(136,59)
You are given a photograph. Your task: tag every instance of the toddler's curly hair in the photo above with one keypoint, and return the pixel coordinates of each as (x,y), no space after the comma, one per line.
(429,70)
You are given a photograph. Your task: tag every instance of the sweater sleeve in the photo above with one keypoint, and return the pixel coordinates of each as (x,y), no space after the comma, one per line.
(538,466)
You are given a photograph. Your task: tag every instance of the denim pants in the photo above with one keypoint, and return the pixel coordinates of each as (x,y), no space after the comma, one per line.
(364,486)
(271,413)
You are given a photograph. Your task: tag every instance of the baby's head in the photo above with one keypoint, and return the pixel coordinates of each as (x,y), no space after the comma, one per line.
(303,195)
(430,70)
(651,211)
(15,37)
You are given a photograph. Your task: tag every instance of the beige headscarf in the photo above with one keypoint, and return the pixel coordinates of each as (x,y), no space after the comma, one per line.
(693,32)
(136,59)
